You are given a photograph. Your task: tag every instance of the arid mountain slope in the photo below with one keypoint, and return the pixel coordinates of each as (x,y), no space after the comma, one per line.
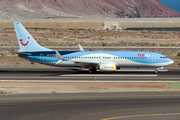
(23,9)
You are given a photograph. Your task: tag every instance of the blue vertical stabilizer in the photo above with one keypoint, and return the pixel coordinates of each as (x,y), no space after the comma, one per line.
(26,41)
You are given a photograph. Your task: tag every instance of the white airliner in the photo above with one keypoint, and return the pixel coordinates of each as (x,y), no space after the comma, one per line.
(93,60)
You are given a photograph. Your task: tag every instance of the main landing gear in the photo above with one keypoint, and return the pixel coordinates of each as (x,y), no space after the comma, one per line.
(92,70)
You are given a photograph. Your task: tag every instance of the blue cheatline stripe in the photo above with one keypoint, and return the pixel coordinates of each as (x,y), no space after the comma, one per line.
(46,54)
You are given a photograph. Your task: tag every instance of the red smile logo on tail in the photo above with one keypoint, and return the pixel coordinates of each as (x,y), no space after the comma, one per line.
(23,43)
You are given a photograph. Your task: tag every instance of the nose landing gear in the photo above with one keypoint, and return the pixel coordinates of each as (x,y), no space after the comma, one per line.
(160,68)
(156,71)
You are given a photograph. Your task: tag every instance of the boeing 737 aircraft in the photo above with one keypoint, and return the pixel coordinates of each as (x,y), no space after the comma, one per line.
(93,60)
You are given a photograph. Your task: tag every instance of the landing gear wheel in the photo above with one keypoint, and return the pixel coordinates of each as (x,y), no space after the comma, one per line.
(94,70)
(156,71)
(90,71)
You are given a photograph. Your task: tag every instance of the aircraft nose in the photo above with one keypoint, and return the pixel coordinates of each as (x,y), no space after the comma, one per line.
(171,61)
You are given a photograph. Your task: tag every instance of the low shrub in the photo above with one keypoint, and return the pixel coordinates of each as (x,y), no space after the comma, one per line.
(178,54)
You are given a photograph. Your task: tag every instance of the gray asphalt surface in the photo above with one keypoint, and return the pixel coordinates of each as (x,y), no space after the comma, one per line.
(92,106)
(57,73)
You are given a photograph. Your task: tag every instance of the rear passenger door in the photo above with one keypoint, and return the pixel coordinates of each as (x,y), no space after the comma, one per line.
(154,58)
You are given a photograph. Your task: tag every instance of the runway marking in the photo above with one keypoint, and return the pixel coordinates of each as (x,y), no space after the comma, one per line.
(106,75)
(141,70)
(84,81)
(28,77)
(147,115)
(29,67)
(122,70)
(151,70)
(85,78)
(175,95)
(87,75)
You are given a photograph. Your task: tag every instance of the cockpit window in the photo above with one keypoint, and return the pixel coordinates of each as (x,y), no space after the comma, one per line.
(163,57)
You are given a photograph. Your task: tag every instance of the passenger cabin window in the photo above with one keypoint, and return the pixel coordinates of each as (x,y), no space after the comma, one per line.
(163,57)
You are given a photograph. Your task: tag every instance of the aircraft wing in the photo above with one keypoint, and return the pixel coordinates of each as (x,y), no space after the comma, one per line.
(81,63)
(59,57)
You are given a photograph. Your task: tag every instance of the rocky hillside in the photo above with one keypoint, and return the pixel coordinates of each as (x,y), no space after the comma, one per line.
(23,9)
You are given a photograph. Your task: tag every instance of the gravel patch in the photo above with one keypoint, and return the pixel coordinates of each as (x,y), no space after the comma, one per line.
(35,88)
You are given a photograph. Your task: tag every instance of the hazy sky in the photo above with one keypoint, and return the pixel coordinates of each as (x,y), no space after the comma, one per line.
(174,4)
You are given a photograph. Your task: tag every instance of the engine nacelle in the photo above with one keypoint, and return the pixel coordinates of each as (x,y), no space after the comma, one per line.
(107,67)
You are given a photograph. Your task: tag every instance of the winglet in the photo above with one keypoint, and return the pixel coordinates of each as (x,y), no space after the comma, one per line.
(80,47)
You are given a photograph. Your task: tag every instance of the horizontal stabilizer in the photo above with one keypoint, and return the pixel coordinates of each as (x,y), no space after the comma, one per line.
(21,53)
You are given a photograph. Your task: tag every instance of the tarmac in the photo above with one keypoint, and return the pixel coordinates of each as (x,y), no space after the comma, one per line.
(92,106)
(77,75)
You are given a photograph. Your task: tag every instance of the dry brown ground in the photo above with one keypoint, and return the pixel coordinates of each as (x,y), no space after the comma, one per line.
(86,85)
(67,37)
(29,87)
(15,61)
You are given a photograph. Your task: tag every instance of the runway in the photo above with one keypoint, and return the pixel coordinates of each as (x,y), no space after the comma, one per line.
(69,74)
(92,106)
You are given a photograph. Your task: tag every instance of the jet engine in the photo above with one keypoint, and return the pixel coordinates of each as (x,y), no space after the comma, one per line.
(107,67)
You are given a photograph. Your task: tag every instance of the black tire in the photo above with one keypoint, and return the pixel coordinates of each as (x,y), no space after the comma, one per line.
(94,70)
(90,71)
